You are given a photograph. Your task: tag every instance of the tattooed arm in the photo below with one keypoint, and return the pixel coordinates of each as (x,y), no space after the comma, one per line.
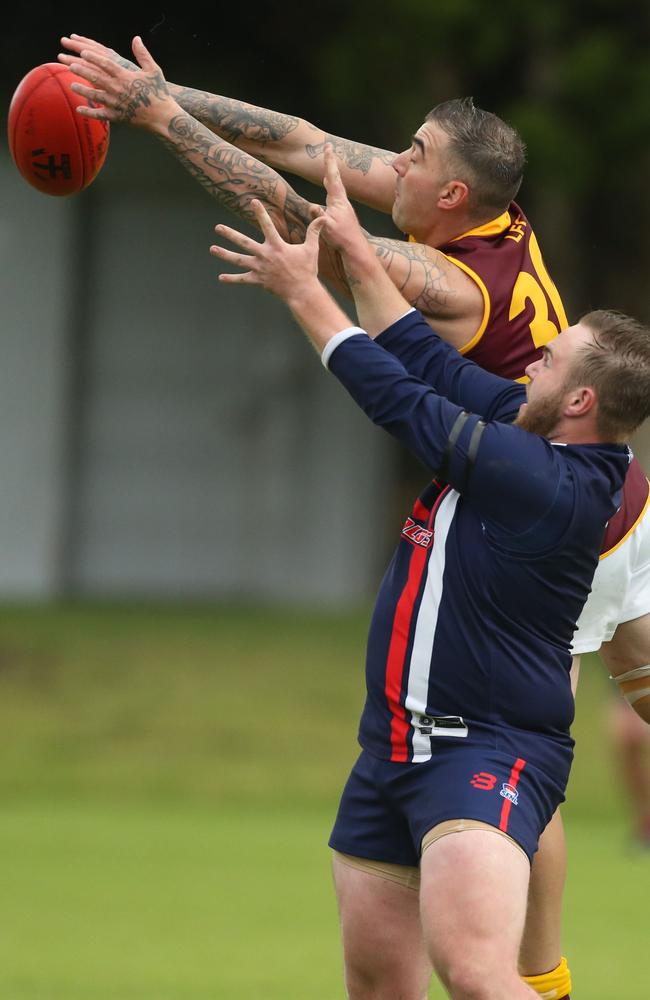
(288,143)
(295,145)
(139,95)
(420,275)
(447,297)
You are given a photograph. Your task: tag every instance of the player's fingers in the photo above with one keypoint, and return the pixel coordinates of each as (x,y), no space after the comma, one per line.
(316,210)
(239,279)
(230,257)
(333,181)
(83,41)
(142,55)
(65,57)
(240,239)
(103,114)
(75,43)
(90,73)
(101,62)
(314,229)
(330,163)
(266,224)
(91,93)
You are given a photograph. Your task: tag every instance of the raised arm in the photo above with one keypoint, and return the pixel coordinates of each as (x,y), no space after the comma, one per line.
(294,145)
(284,141)
(139,94)
(381,309)
(511,475)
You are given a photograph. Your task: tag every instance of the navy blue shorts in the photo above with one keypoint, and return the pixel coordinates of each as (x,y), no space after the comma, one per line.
(387,808)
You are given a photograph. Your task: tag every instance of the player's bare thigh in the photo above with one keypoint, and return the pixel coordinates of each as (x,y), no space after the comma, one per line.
(473,893)
(383,948)
(383,913)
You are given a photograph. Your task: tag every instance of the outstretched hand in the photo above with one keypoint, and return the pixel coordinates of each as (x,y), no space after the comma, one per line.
(289,270)
(131,95)
(342,230)
(77,44)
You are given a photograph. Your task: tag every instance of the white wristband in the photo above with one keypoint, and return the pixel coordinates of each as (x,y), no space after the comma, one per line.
(338,338)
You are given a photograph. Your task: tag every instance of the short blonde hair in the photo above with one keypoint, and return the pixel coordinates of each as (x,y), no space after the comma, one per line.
(617,366)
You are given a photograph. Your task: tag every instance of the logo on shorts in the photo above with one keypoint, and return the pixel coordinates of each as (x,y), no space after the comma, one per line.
(484,781)
(509,792)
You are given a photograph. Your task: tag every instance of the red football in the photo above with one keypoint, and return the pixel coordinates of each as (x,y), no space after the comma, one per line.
(55,149)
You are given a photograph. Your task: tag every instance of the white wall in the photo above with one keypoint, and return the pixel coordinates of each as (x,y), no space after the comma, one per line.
(35,233)
(206,452)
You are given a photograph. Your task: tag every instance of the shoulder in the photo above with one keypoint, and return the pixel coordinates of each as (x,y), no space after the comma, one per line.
(547,494)
(631,515)
(447,296)
(598,463)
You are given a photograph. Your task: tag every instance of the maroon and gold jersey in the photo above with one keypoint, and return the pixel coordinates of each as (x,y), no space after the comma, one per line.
(634,503)
(522,309)
(620,591)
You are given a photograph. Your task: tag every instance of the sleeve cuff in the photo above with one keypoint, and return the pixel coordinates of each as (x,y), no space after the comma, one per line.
(337,339)
(404,315)
(396,326)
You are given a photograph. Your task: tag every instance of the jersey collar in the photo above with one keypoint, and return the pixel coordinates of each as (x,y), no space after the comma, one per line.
(492,228)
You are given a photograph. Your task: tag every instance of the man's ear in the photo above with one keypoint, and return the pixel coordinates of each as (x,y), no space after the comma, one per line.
(580,401)
(453,195)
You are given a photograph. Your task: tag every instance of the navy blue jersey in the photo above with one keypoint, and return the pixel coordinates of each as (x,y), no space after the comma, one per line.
(475,615)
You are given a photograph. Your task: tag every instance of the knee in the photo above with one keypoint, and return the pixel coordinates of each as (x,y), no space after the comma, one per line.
(371,983)
(467,980)
(360,983)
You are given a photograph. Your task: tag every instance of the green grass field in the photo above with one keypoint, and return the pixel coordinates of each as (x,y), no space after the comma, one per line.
(168,777)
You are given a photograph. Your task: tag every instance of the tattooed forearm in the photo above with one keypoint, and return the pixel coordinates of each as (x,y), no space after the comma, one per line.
(355,155)
(350,279)
(422,281)
(234,178)
(233,119)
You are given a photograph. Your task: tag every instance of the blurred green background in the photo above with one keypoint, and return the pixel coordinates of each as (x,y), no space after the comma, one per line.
(168,778)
